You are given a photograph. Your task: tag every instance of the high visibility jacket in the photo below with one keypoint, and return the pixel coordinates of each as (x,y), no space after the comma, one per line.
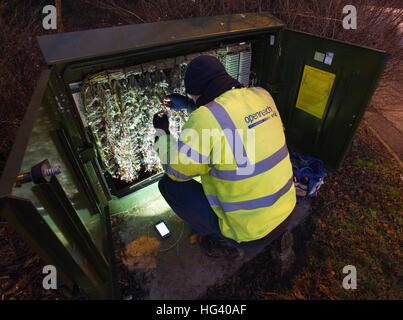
(236,144)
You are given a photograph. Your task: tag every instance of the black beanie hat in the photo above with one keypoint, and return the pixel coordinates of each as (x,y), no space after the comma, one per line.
(200,72)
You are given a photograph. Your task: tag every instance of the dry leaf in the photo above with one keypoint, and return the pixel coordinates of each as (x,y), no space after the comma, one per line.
(327,292)
(299,295)
(141,253)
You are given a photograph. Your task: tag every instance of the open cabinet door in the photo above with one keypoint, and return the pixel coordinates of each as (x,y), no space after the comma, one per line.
(325,87)
(60,217)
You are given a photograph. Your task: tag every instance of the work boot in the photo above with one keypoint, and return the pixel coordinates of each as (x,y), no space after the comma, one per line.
(219,248)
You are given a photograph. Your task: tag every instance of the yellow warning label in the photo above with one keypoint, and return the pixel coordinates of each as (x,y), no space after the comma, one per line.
(314,91)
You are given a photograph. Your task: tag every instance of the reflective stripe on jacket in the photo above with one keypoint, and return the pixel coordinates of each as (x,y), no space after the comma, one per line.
(245,168)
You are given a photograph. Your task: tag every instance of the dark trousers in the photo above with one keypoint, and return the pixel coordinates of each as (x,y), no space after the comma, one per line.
(189,202)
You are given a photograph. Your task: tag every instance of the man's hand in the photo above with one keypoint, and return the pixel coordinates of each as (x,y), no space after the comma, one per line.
(160,121)
(166,102)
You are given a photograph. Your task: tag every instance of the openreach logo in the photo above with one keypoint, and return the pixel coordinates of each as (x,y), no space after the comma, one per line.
(261,115)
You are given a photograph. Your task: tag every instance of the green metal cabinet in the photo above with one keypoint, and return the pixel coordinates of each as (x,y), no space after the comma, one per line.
(356,73)
(321,87)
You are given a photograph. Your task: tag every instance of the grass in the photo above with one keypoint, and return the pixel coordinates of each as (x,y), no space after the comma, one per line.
(369,164)
(363,230)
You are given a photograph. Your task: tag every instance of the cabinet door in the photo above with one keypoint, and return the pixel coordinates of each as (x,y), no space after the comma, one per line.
(62,220)
(325,88)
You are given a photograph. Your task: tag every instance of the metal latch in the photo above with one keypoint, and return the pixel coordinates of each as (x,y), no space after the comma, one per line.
(88,154)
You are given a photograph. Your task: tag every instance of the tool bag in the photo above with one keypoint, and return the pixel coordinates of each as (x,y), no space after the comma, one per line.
(308,174)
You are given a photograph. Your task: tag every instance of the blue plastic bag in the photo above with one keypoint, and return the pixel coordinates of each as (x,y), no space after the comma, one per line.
(308,174)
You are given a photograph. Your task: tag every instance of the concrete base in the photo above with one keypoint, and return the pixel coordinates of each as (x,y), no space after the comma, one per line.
(390,131)
(174,268)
